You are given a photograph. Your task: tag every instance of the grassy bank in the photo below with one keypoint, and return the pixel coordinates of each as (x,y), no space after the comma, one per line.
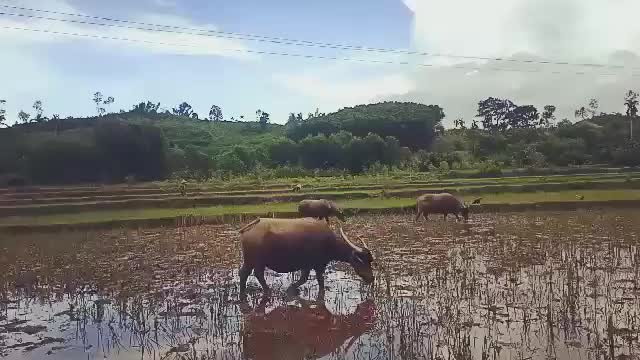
(509,198)
(346,195)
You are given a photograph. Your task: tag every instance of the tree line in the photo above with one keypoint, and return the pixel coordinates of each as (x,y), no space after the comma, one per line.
(149,142)
(103,103)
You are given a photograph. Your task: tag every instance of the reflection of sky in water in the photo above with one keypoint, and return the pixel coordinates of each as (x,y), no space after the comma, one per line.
(536,286)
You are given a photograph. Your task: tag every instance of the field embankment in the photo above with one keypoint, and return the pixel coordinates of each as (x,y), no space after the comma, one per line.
(161,205)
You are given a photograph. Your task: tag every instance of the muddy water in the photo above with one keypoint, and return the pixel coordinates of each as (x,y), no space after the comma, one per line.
(562,285)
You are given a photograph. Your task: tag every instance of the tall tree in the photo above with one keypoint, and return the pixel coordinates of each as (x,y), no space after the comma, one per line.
(581,113)
(495,113)
(37,106)
(215,113)
(3,113)
(147,108)
(56,118)
(183,109)
(548,116)
(593,107)
(110,100)
(97,98)
(525,116)
(262,117)
(631,103)
(23,116)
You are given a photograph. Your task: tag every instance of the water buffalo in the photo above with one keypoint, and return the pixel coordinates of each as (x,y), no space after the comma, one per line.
(443,203)
(309,331)
(288,245)
(320,209)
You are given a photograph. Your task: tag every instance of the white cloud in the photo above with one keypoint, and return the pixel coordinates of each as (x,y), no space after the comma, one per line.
(340,83)
(345,92)
(165,3)
(600,31)
(410,4)
(151,41)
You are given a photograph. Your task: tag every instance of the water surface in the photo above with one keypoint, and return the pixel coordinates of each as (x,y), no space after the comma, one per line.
(561,285)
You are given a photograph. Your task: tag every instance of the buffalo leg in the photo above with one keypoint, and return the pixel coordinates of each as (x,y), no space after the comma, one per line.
(259,273)
(418,215)
(244,273)
(457,217)
(445,216)
(426,216)
(304,276)
(320,277)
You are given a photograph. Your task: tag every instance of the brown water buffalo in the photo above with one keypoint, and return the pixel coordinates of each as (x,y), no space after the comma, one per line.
(309,331)
(443,203)
(288,245)
(321,209)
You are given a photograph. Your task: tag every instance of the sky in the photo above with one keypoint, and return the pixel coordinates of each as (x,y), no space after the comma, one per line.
(234,73)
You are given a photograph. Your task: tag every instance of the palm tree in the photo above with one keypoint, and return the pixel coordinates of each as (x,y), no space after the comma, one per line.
(631,102)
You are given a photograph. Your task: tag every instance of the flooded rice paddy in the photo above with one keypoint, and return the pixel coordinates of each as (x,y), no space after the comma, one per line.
(561,285)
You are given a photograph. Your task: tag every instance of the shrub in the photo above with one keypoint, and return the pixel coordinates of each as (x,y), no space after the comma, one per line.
(489,169)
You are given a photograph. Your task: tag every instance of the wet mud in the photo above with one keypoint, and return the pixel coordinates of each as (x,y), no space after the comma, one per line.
(540,285)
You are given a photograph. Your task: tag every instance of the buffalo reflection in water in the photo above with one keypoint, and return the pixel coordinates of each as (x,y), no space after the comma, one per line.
(309,331)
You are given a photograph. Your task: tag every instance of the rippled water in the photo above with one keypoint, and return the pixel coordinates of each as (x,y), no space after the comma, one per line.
(559,285)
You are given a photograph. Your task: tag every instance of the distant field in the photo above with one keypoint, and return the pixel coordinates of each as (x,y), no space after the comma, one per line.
(161,200)
(82,204)
(375,203)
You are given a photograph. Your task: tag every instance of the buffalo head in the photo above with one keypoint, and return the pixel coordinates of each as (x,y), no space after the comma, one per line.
(465,210)
(360,259)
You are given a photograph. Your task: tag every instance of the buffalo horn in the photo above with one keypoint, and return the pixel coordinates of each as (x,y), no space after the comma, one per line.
(344,236)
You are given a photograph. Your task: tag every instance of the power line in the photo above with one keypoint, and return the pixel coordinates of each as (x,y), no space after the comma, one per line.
(297,55)
(279,40)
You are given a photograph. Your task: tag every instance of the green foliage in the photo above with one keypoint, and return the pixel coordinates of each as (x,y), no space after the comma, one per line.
(131,149)
(197,163)
(283,152)
(263,118)
(148,143)
(146,108)
(628,154)
(215,113)
(63,161)
(414,125)
(184,110)
(24,117)
(320,152)
(502,114)
(3,113)
(490,169)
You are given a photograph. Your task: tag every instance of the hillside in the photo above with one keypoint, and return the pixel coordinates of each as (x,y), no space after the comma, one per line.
(109,148)
(144,145)
(413,125)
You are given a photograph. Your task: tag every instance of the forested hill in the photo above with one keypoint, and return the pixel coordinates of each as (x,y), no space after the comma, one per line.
(145,144)
(413,125)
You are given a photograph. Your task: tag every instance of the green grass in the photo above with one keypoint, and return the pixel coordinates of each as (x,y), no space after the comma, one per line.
(143,214)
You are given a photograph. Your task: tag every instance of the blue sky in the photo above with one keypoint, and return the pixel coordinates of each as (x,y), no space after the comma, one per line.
(65,71)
